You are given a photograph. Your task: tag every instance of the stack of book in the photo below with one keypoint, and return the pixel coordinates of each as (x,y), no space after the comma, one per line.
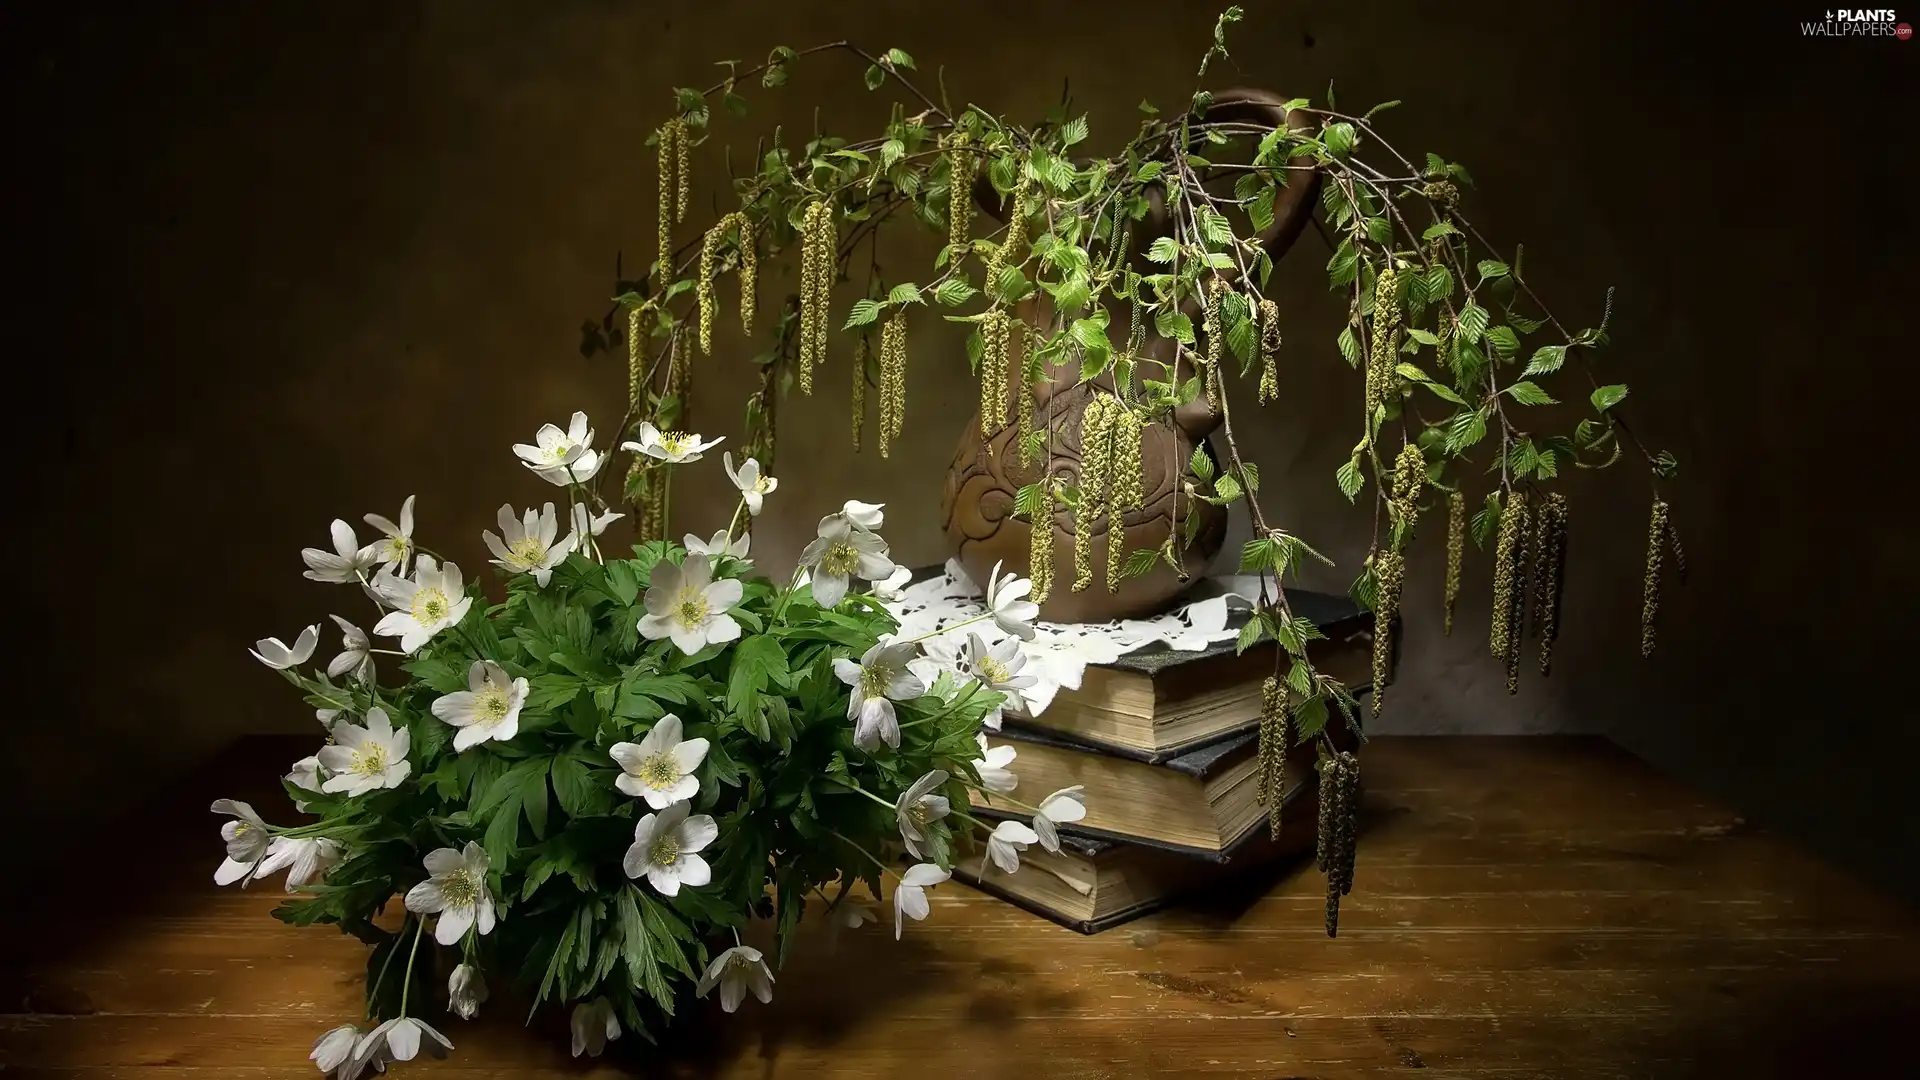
(1166,745)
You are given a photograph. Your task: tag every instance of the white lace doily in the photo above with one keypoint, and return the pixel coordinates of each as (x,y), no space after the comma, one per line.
(1059,653)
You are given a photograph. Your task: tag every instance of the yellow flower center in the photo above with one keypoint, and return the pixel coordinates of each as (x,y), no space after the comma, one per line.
(763,484)
(665,852)
(917,813)
(369,760)
(397,548)
(675,442)
(841,559)
(874,680)
(558,452)
(528,550)
(460,889)
(991,671)
(429,605)
(492,705)
(659,772)
(240,829)
(691,609)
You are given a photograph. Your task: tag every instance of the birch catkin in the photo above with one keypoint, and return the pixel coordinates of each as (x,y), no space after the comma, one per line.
(1650,588)
(1274,738)
(1547,576)
(1456,550)
(1040,553)
(1506,557)
(1269,349)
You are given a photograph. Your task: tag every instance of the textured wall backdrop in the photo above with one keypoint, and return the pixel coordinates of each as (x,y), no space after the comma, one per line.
(294,262)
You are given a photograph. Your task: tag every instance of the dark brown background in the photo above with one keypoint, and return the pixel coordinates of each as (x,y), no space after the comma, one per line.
(294,261)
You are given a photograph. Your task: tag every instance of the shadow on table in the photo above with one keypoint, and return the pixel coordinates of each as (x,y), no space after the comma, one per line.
(1813,1030)
(833,984)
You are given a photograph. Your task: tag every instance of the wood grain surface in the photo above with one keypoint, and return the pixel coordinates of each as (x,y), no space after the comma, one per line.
(1523,907)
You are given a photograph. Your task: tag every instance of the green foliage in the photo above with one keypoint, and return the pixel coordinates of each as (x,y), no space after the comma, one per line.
(779,778)
(1147,277)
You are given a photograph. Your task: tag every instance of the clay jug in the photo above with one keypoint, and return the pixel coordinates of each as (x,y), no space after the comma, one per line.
(986,473)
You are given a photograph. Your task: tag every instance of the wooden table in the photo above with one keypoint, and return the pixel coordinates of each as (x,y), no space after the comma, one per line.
(1523,907)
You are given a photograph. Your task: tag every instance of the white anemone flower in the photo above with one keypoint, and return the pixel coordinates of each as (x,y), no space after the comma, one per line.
(881,678)
(672,447)
(719,545)
(247,841)
(686,604)
(396,547)
(666,849)
(356,653)
(526,544)
(1006,842)
(1012,612)
(754,485)
(998,668)
(334,1049)
(1063,807)
(917,808)
(893,589)
(466,991)
(488,709)
(305,775)
(586,524)
(583,469)
(346,562)
(305,860)
(594,1025)
(736,971)
(869,516)
(553,449)
(402,1039)
(427,603)
(842,550)
(277,655)
(853,914)
(660,767)
(364,759)
(456,889)
(910,896)
(993,767)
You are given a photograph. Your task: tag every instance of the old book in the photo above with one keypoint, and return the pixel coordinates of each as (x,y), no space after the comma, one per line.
(1092,884)
(1198,803)
(1159,703)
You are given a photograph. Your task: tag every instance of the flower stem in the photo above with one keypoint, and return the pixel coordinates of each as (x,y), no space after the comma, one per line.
(953,706)
(971,820)
(420,926)
(992,795)
(793,586)
(884,868)
(373,992)
(734,521)
(851,786)
(949,628)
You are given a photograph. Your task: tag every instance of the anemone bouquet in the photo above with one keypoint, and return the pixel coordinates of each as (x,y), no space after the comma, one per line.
(591,785)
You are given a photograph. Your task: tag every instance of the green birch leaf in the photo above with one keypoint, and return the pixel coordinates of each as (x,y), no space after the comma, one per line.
(1472,322)
(1527,393)
(1200,462)
(1175,325)
(1546,360)
(1350,479)
(1350,346)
